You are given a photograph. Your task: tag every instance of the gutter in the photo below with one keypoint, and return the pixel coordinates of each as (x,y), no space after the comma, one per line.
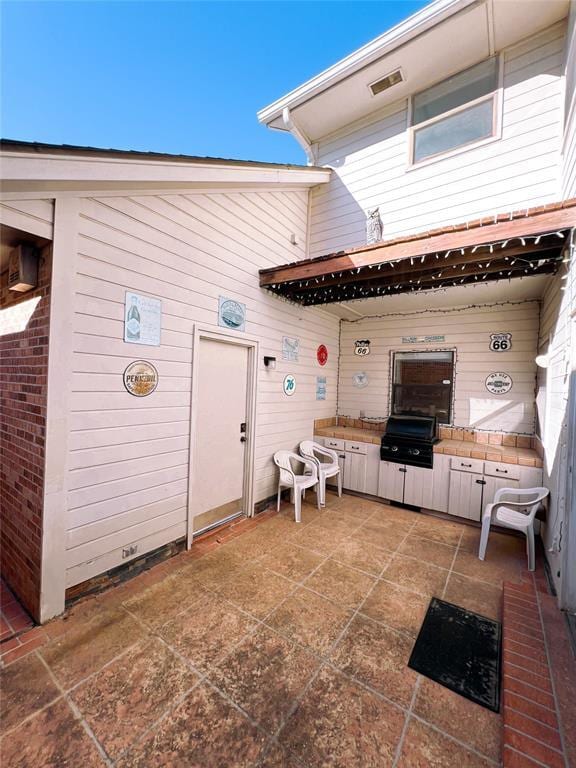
(298,134)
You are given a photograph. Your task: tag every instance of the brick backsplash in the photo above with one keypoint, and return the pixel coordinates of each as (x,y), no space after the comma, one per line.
(466,434)
(23,384)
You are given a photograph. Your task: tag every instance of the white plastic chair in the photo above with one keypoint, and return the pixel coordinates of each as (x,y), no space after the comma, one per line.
(516,514)
(313,451)
(297,483)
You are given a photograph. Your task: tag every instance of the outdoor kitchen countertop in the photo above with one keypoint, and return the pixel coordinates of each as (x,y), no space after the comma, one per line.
(352,433)
(526,457)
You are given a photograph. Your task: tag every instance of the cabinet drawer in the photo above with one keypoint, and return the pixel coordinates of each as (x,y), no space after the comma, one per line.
(356,447)
(467,465)
(499,469)
(334,443)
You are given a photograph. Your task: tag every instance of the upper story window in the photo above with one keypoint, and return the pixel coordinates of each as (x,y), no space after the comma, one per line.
(457,112)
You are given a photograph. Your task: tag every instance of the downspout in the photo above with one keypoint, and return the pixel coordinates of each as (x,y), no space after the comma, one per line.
(300,137)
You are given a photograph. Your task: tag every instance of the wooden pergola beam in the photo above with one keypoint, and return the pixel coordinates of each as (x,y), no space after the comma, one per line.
(405,270)
(393,287)
(528,224)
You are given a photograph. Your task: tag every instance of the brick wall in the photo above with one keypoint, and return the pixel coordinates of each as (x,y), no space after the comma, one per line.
(24,324)
(532,736)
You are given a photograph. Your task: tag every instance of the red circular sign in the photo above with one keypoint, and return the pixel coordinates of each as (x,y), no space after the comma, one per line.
(322,354)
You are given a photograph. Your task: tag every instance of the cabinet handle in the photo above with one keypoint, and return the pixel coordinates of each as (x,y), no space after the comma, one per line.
(504,471)
(402,470)
(465,465)
(481,482)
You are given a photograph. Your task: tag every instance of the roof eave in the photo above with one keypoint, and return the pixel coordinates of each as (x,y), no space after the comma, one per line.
(428,17)
(24,170)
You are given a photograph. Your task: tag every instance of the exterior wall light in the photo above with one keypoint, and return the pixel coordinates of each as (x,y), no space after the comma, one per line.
(270,363)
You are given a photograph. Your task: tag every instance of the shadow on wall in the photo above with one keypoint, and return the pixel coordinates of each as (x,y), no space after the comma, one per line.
(487,413)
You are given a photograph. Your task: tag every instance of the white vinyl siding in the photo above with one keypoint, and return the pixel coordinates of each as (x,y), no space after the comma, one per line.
(569,143)
(467,331)
(371,160)
(128,479)
(557,318)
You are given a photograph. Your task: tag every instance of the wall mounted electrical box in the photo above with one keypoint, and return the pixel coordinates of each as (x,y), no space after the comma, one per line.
(23,268)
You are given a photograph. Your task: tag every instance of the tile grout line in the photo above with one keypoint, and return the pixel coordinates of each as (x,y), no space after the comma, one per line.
(400,744)
(203,676)
(64,690)
(535,738)
(259,623)
(551,676)
(468,747)
(451,570)
(325,662)
(78,716)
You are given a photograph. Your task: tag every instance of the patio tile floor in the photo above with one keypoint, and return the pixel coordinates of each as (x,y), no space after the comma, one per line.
(283,647)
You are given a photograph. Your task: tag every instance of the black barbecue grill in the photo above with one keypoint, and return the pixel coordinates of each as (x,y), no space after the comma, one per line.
(409,440)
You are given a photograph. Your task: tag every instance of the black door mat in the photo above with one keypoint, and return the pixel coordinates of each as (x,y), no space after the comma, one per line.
(460,650)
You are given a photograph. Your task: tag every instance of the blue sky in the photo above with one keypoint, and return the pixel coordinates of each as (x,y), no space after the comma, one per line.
(183,77)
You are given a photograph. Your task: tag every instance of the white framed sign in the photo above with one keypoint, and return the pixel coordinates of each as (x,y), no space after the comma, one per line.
(360,380)
(289,385)
(290,349)
(423,339)
(142,319)
(362,347)
(231,314)
(499,383)
(500,342)
(320,387)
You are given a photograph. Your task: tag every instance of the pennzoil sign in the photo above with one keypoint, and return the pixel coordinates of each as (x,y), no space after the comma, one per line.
(140,378)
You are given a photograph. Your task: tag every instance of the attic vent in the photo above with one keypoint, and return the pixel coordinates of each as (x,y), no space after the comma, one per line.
(386,82)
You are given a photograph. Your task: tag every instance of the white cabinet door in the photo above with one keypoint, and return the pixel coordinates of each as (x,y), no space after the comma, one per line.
(418,486)
(441,485)
(372,469)
(428,488)
(391,481)
(465,496)
(333,481)
(493,484)
(530,477)
(355,472)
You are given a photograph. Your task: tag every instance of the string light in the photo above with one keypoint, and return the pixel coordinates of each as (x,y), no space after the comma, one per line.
(350,290)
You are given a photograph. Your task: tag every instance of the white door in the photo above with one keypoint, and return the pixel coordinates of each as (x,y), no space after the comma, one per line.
(221,432)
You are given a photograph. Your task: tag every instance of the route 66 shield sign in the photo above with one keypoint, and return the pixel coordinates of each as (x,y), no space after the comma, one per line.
(362,347)
(500,342)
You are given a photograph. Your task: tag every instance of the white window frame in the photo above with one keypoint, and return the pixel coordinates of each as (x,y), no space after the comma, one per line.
(395,350)
(496,96)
